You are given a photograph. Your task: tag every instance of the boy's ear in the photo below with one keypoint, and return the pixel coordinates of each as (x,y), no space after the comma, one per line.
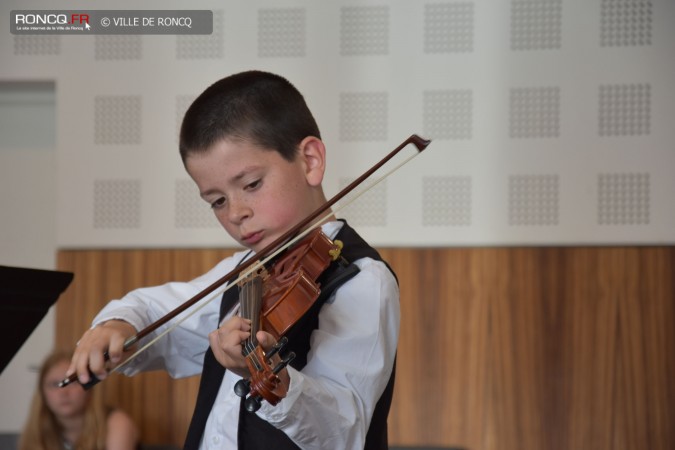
(313,155)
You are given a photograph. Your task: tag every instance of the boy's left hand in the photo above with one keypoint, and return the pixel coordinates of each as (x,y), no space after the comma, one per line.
(226,346)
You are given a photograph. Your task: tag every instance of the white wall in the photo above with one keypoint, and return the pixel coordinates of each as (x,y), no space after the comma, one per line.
(552,122)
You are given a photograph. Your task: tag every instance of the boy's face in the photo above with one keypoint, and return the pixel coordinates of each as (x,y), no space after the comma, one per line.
(255,193)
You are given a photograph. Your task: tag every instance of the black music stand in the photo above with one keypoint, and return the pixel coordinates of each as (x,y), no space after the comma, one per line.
(25,297)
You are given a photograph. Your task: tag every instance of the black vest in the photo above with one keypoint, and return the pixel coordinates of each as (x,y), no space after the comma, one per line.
(254,432)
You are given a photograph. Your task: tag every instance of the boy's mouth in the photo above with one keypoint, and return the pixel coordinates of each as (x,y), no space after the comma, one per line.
(252,238)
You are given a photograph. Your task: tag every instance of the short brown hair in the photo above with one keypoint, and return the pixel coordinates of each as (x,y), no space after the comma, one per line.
(258,106)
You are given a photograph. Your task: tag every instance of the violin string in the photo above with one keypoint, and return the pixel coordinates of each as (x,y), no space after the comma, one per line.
(250,309)
(254,357)
(244,305)
(259,265)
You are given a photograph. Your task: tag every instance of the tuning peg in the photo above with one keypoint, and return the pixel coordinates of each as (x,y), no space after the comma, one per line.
(276,347)
(242,387)
(253,403)
(278,368)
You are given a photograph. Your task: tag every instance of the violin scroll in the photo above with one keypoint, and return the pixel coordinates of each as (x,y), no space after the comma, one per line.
(264,382)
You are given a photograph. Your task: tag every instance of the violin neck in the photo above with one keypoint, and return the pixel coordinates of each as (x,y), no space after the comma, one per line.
(250,305)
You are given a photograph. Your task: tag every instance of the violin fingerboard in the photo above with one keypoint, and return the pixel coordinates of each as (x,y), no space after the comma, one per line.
(250,304)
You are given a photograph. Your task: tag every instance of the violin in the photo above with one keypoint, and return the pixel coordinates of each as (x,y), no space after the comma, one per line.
(283,300)
(274,300)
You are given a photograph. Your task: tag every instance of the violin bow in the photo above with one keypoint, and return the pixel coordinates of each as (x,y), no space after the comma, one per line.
(265,255)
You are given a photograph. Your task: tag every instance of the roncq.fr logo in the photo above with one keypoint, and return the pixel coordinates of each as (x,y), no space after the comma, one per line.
(51,19)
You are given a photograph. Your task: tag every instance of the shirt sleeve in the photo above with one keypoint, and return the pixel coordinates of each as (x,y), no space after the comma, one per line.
(331,400)
(181,351)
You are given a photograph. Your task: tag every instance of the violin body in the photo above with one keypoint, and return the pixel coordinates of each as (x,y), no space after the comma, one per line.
(291,288)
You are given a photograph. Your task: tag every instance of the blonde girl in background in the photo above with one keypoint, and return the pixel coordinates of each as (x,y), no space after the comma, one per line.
(71,418)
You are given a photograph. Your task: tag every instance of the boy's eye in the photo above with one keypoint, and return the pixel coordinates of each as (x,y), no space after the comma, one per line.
(218,203)
(253,185)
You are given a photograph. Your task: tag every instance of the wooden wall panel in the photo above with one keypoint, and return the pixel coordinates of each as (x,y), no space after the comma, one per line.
(500,348)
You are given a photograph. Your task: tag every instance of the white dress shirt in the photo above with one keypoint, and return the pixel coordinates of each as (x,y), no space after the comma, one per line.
(330,401)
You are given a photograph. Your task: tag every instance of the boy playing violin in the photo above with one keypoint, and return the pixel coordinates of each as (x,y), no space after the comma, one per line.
(254,150)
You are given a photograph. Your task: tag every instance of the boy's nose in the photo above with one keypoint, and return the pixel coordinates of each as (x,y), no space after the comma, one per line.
(239,211)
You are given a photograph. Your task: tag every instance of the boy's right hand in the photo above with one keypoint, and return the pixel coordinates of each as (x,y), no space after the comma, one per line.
(88,355)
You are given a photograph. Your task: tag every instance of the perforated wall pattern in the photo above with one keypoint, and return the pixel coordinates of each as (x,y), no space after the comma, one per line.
(551,120)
